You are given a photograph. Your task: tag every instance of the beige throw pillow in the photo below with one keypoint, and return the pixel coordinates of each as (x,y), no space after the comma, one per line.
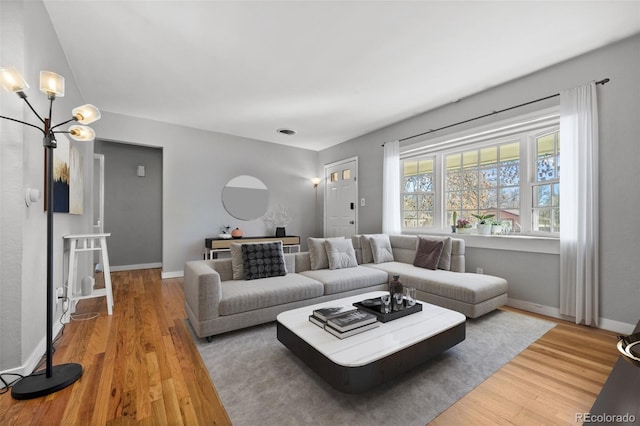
(340,253)
(318,252)
(236,261)
(381,248)
(365,245)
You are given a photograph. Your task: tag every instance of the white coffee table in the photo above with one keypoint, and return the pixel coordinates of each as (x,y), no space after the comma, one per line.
(360,362)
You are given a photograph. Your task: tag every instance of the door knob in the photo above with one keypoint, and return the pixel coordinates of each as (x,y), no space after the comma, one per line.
(351,222)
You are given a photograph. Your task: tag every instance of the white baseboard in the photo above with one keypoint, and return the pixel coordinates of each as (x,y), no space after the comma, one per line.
(135,267)
(605,324)
(34,357)
(171,274)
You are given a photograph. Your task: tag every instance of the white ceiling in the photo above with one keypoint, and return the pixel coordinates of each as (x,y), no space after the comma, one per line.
(331,70)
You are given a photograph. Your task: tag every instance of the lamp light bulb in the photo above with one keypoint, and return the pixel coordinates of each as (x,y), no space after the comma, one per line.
(316,181)
(86,114)
(81,133)
(51,83)
(11,80)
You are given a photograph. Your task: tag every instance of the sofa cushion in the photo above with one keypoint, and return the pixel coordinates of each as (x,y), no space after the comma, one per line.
(242,296)
(341,280)
(340,254)
(428,253)
(381,248)
(318,252)
(263,260)
(462,286)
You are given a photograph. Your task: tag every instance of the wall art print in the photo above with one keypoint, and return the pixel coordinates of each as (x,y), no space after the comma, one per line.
(68,178)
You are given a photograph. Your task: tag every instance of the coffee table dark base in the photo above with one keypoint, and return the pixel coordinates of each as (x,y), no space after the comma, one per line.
(363,378)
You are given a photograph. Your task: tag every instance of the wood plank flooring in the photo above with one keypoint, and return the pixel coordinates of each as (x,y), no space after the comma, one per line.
(141,367)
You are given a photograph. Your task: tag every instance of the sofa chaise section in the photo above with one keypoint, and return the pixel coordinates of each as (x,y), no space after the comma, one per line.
(471,294)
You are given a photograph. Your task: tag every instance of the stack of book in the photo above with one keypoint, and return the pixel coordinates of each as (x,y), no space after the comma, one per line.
(343,321)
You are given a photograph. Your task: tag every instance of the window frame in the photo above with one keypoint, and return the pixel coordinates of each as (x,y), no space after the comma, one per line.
(524,129)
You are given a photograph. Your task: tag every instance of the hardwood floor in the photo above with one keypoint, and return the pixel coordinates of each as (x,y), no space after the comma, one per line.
(141,366)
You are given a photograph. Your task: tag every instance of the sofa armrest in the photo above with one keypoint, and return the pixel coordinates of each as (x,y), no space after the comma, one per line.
(202,290)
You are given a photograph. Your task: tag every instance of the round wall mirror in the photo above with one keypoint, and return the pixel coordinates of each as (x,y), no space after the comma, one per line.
(245,197)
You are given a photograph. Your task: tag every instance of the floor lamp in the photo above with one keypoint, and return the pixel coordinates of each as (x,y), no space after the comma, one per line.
(316,181)
(60,376)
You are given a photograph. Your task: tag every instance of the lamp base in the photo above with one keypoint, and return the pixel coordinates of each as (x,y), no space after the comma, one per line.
(38,385)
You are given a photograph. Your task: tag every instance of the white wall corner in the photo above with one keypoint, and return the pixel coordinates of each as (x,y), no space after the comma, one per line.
(171,274)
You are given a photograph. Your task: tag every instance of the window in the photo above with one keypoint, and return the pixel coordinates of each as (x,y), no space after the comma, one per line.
(418,198)
(484,181)
(545,214)
(514,175)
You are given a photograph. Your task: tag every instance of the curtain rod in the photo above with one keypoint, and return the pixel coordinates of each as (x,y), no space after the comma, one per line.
(603,82)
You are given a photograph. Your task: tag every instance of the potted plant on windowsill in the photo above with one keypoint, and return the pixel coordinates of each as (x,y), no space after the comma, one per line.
(484,227)
(496,228)
(463,226)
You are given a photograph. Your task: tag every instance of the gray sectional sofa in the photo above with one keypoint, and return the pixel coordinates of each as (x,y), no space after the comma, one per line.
(216,303)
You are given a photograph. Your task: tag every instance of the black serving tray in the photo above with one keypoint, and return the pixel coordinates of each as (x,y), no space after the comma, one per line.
(373,306)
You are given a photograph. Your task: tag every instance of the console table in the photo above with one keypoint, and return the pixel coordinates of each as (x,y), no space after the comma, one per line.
(620,394)
(213,246)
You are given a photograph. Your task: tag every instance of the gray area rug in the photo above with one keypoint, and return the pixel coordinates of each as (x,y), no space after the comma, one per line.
(261,383)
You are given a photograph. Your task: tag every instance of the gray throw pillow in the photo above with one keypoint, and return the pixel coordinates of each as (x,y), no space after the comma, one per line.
(318,252)
(445,257)
(381,248)
(428,253)
(340,254)
(263,260)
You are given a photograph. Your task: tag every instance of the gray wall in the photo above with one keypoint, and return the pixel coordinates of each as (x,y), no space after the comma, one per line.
(132,204)
(196,166)
(537,281)
(29,42)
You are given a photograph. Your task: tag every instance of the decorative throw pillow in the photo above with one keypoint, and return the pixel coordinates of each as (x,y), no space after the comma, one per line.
(365,244)
(428,253)
(236,261)
(445,257)
(318,252)
(381,248)
(340,254)
(263,260)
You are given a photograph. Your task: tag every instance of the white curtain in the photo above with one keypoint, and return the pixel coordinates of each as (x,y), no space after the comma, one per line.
(579,255)
(391,189)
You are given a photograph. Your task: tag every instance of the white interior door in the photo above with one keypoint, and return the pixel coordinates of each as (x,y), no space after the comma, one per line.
(341,195)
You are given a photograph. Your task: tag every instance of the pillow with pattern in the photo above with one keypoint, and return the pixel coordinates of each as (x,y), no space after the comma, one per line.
(263,260)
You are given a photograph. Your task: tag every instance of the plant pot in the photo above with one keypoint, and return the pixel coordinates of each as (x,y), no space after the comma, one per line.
(464,230)
(484,229)
(496,229)
(280,232)
(453,229)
